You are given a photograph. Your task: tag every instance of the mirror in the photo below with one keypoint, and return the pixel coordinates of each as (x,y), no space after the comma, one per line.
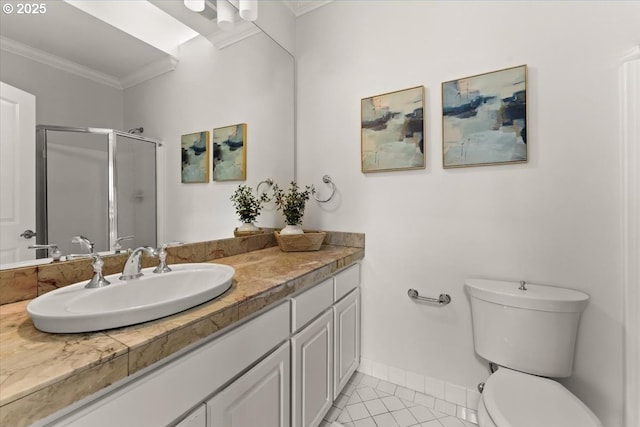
(85,73)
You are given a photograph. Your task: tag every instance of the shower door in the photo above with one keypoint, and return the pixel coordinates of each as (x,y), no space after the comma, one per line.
(99,183)
(136,187)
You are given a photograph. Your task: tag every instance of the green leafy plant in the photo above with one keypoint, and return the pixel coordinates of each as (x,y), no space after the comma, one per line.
(292,202)
(248,205)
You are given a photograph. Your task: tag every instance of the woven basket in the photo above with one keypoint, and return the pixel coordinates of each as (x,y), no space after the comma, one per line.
(237,233)
(309,241)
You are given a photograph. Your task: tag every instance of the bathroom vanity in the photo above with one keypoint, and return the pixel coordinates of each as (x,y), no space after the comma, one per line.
(277,347)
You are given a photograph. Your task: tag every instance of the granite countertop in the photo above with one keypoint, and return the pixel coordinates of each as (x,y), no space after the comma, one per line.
(41,373)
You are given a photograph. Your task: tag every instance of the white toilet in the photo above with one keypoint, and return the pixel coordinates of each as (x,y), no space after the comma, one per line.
(529,331)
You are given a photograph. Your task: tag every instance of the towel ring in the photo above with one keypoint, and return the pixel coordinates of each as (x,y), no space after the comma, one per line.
(267,181)
(327,180)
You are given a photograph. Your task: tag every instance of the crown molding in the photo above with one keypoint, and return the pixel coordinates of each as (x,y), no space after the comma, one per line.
(149,71)
(221,39)
(301,7)
(54,61)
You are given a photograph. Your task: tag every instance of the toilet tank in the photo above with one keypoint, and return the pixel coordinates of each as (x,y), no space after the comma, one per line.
(532,330)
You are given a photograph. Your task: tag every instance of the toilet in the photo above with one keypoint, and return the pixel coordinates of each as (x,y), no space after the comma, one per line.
(528,331)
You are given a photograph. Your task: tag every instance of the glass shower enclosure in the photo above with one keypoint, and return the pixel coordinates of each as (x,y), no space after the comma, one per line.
(98,183)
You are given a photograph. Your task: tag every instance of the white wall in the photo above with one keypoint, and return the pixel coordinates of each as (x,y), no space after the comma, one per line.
(249,82)
(554,220)
(62,98)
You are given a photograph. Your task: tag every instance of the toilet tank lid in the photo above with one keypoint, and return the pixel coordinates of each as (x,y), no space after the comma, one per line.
(536,297)
(515,399)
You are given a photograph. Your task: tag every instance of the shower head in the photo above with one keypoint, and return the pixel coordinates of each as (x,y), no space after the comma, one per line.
(136,130)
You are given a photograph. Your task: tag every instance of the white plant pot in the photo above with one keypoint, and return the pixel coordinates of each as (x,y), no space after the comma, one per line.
(248,226)
(292,229)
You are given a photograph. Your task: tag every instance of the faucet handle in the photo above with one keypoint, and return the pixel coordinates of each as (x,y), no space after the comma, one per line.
(98,279)
(164,246)
(162,254)
(117,247)
(54,252)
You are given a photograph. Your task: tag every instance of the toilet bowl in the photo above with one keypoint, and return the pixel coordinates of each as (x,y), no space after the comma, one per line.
(515,399)
(530,332)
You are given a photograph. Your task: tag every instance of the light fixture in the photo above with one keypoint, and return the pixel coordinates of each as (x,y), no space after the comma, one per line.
(226,14)
(195,5)
(248,9)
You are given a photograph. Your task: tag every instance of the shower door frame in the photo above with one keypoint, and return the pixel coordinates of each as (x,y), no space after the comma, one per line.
(42,215)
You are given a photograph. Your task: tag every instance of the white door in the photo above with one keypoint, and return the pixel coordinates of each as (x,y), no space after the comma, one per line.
(17,173)
(312,372)
(347,339)
(258,398)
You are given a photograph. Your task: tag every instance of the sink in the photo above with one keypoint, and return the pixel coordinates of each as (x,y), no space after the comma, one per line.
(75,308)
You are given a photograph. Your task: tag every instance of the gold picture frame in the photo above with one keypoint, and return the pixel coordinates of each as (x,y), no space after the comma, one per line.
(392,131)
(195,157)
(484,119)
(230,153)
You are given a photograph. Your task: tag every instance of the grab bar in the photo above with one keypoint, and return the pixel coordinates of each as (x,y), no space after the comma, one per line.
(443,299)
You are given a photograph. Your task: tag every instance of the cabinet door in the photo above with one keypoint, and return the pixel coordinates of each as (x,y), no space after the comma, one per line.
(260,397)
(346,324)
(197,418)
(312,372)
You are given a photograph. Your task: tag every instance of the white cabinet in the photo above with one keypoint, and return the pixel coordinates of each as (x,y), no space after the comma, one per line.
(162,395)
(345,281)
(197,418)
(260,397)
(346,324)
(292,385)
(312,372)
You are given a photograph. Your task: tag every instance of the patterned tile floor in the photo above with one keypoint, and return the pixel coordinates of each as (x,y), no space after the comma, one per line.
(368,402)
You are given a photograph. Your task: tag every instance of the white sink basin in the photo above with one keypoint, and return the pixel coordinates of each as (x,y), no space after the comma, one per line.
(75,308)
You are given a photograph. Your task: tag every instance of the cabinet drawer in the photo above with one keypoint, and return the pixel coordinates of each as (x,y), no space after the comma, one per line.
(345,281)
(311,303)
(160,396)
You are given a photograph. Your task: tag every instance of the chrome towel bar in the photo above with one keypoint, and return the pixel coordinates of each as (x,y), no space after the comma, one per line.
(443,299)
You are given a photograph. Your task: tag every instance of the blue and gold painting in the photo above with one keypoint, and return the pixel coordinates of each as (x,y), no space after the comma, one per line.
(195,157)
(484,119)
(230,153)
(392,131)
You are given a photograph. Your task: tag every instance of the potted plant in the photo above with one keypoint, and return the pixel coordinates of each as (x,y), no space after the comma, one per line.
(292,204)
(248,206)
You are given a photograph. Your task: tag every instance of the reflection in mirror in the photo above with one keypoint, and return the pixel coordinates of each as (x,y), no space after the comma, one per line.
(85,73)
(98,183)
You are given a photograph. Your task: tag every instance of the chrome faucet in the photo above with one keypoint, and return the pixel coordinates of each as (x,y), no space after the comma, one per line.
(84,242)
(132,267)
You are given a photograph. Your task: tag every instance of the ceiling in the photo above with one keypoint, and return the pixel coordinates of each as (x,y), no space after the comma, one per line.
(68,38)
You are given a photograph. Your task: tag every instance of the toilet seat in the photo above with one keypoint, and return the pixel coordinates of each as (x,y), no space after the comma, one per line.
(516,399)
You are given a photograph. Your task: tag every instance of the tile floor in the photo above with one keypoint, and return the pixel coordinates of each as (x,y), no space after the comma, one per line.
(368,402)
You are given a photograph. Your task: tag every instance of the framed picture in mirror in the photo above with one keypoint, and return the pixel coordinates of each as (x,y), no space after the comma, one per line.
(484,119)
(230,153)
(392,131)
(195,157)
